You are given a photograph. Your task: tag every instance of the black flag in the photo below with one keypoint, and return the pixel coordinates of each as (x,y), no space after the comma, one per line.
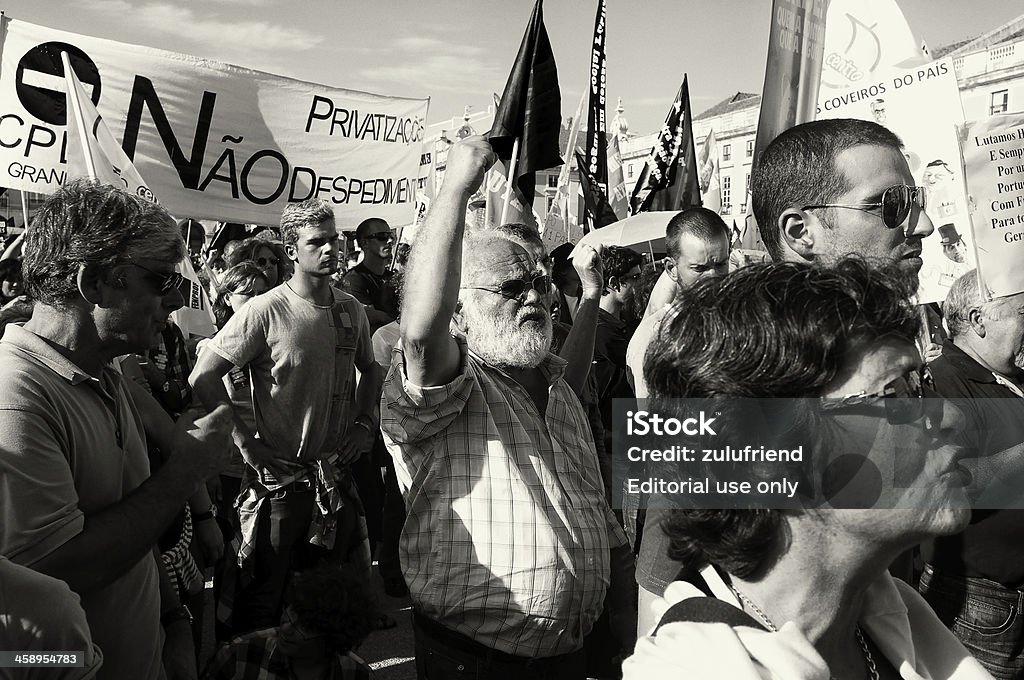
(669,179)
(531,109)
(599,211)
(597,143)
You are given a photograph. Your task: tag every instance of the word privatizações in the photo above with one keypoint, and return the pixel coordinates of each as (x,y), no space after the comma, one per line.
(748,454)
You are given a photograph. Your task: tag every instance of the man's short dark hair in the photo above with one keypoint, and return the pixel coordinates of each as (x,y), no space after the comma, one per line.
(618,260)
(707,225)
(336,603)
(365,227)
(798,168)
(763,331)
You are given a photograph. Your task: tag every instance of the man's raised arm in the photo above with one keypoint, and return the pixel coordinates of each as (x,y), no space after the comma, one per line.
(434,272)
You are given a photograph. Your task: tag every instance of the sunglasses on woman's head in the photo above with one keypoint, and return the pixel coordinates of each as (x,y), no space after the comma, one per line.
(896,203)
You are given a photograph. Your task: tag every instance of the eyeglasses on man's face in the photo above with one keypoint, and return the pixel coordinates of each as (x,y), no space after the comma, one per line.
(516,288)
(902,398)
(896,203)
(383,237)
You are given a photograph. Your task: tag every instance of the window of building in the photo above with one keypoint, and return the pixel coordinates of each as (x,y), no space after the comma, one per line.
(553,181)
(726,152)
(629,170)
(750,148)
(1000,102)
(726,194)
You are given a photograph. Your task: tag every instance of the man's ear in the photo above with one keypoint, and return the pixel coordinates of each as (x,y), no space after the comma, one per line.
(291,252)
(672,270)
(91,279)
(976,318)
(795,232)
(612,284)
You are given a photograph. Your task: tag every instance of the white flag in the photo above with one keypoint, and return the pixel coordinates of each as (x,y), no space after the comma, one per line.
(93,152)
(708,174)
(864,39)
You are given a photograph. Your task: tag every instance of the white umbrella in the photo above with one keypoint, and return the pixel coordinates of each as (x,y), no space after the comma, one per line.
(643,228)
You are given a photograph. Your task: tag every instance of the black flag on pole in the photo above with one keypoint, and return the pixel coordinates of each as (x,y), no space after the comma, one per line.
(530,108)
(599,210)
(669,179)
(597,143)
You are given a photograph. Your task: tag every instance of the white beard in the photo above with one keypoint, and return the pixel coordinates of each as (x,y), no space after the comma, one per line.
(503,341)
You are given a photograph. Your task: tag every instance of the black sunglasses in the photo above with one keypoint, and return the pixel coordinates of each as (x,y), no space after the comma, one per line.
(264,261)
(896,204)
(902,398)
(383,237)
(165,282)
(516,288)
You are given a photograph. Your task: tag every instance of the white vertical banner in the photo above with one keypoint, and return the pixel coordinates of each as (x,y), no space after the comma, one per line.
(994,162)
(865,40)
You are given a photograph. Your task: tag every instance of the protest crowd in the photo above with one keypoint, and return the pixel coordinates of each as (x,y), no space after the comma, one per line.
(439,416)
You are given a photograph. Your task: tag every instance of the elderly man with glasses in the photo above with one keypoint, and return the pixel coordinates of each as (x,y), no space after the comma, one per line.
(510,546)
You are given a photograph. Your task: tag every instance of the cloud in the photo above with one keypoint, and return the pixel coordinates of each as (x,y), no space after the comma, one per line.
(230,34)
(437,65)
(422,44)
(439,72)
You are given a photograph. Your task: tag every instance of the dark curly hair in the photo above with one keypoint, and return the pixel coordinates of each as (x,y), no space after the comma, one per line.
(336,603)
(768,330)
(617,262)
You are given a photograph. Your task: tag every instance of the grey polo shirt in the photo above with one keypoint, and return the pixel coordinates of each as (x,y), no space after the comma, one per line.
(70,445)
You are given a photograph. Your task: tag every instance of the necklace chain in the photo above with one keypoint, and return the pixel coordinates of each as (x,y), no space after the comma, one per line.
(868,658)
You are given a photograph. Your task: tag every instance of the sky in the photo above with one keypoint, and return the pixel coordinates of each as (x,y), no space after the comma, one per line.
(458,52)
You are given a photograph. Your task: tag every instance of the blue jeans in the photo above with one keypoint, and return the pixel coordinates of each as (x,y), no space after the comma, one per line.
(984,615)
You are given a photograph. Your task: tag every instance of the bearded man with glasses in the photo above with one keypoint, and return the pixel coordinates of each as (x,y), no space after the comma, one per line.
(833,188)
(509,545)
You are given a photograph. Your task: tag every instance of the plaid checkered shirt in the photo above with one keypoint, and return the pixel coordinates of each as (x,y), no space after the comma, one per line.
(255,656)
(508,534)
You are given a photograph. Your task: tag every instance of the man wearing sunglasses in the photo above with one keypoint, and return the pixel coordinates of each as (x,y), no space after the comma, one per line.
(509,545)
(974,580)
(81,501)
(833,188)
(369,281)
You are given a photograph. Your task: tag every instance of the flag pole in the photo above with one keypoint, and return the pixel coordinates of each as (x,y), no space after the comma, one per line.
(24,209)
(79,118)
(511,178)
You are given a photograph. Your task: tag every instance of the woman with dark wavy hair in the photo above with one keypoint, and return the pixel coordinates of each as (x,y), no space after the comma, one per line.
(803,592)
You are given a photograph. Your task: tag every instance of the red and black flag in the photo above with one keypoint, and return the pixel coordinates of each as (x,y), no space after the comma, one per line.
(599,210)
(669,179)
(597,143)
(530,109)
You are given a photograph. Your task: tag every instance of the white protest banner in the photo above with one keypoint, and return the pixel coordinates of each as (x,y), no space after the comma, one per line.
(214,141)
(994,161)
(864,41)
(922,106)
